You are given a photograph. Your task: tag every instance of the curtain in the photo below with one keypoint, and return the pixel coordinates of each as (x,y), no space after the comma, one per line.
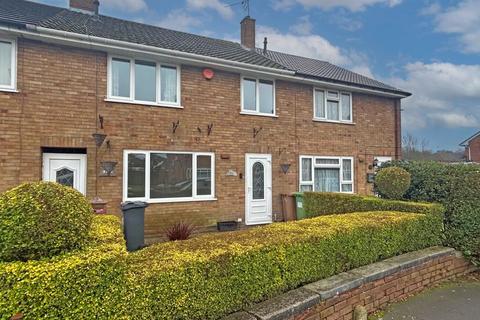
(345,101)
(319,104)
(168,80)
(121,78)
(306,169)
(332,110)
(327,180)
(5,63)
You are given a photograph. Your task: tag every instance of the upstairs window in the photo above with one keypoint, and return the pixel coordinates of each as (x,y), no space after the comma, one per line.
(258,96)
(332,106)
(144,82)
(326,174)
(7,64)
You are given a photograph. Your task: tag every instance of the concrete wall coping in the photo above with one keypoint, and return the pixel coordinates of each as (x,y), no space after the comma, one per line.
(301,299)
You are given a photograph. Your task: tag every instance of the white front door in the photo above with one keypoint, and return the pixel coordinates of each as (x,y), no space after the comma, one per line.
(258,189)
(67,169)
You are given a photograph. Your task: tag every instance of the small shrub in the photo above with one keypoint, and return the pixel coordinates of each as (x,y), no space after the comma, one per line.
(179,231)
(42,219)
(392,183)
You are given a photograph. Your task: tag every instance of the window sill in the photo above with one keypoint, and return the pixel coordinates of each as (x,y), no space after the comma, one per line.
(10,90)
(150,104)
(333,121)
(246,113)
(153,201)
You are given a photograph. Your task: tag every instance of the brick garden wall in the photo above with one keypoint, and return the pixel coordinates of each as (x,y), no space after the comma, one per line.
(62,91)
(377,294)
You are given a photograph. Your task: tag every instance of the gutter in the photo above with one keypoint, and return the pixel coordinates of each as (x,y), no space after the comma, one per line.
(93,42)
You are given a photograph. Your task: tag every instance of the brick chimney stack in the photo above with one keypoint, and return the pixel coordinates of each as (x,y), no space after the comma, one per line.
(248,32)
(85,6)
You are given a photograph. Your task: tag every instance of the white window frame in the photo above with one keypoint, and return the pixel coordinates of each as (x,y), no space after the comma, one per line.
(257,97)
(147,198)
(329,166)
(13,79)
(131,99)
(326,99)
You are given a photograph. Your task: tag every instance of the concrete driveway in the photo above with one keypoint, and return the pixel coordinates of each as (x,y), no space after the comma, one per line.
(453,301)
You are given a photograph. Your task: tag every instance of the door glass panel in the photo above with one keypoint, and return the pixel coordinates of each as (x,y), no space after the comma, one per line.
(65,177)
(258,181)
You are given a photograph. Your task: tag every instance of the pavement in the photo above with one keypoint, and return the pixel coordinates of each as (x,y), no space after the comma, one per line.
(454,301)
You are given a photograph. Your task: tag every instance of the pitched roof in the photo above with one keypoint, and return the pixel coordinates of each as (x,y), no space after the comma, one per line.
(326,71)
(467,141)
(61,19)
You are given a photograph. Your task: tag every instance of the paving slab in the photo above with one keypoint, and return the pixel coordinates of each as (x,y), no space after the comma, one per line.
(460,301)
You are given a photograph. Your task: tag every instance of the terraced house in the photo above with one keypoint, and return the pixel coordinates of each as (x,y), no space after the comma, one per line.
(205,130)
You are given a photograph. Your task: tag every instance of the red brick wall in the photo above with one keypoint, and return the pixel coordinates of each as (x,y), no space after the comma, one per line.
(376,295)
(473,150)
(62,91)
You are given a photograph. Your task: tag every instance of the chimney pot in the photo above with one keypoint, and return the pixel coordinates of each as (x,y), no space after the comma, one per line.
(85,6)
(248,32)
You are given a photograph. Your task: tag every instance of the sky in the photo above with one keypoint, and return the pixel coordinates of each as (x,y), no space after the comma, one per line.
(430,48)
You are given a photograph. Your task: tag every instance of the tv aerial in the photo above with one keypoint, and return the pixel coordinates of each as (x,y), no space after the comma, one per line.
(244,3)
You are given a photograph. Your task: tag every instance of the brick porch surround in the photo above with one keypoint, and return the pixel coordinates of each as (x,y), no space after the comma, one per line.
(373,286)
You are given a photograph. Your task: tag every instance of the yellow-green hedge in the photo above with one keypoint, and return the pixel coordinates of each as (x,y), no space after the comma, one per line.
(216,274)
(325,203)
(83,284)
(206,277)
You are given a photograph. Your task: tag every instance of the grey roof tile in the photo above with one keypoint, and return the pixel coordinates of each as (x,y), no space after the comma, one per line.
(324,70)
(26,12)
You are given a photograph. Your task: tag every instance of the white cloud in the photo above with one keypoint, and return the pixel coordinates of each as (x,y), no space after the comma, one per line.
(462,19)
(125,5)
(444,95)
(179,20)
(352,5)
(313,46)
(221,8)
(303,26)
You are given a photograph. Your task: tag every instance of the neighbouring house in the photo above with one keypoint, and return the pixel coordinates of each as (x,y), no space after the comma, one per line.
(204,130)
(472,148)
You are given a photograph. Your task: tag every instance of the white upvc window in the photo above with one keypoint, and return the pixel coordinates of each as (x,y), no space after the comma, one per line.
(258,96)
(168,176)
(8,64)
(330,105)
(143,81)
(326,174)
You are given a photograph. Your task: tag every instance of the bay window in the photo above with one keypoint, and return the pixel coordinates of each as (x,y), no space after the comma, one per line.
(326,174)
(8,64)
(258,96)
(169,176)
(143,82)
(332,106)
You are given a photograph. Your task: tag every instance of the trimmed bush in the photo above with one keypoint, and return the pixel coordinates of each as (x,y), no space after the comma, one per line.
(42,219)
(392,183)
(324,203)
(216,274)
(89,283)
(457,187)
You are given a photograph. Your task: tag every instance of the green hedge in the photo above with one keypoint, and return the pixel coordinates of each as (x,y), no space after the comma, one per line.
(324,203)
(83,284)
(457,187)
(42,219)
(213,275)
